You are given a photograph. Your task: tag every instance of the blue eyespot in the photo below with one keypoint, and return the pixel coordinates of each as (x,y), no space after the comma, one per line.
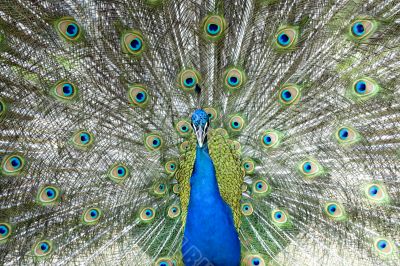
(163,264)
(85,138)
(278,215)
(94,214)
(135,44)
(67,89)
(184,128)
(373,191)
(149,213)
(267,140)
(72,30)
(3,230)
(189,82)
(233,81)
(140,97)
(358,29)
(332,209)
(307,167)
(50,192)
(161,187)
(255,261)
(246,165)
(44,246)
(343,133)
(156,142)
(15,162)
(382,244)
(259,185)
(213,29)
(172,166)
(286,95)
(121,171)
(236,124)
(283,39)
(361,87)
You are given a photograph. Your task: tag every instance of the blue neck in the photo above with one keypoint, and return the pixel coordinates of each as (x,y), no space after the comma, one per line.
(203,181)
(209,229)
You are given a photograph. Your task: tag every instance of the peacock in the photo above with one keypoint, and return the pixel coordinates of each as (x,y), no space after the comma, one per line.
(200,133)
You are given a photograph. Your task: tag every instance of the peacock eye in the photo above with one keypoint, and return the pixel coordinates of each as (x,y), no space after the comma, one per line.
(147,214)
(183,128)
(12,164)
(118,173)
(211,112)
(365,88)
(165,262)
(271,138)
(347,135)
(234,78)
(3,108)
(65,91)
(91,216)
(83,139)
(5,231)
(335,211)
(280,218)
(188,78)
(48,195)
(159,189)
(138,95)
(384,246)
(376,193)
(287,38)
(249,166)
(253,260)
(132,43)
(310,168)
(153,142)
(289,94)
(68,29)
(42,248)
(362,29)
(175,188)
(174,211)
(214,27)
(261,188)
(236,124)
(170,166)
(247,209)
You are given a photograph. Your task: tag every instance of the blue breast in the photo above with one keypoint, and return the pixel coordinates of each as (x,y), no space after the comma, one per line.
(210,235)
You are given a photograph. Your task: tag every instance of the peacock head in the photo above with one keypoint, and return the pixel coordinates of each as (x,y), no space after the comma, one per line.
(200,123)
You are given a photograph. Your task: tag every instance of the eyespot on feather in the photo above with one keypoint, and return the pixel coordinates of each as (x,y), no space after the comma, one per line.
(289,94)
(12,164)
(153,142)
(138,95)
(48,195)
(83,140)
(91,216)
(42,248)
(213,27)
(69,29)
(132,43)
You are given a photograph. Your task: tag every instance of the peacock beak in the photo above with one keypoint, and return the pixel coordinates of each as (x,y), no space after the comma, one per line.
(201,133)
